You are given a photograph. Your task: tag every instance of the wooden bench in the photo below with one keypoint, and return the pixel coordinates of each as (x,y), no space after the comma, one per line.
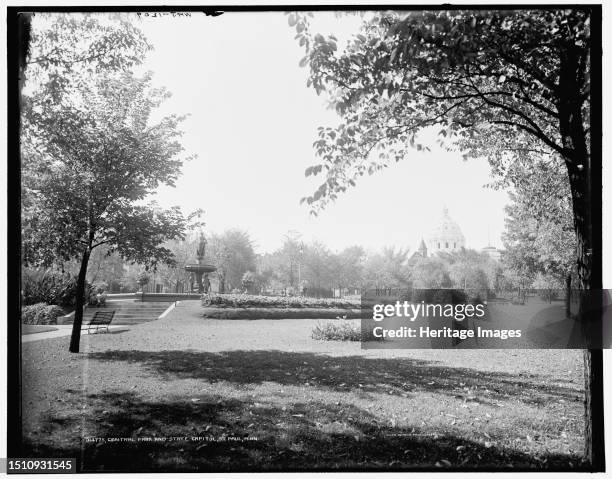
(101,319)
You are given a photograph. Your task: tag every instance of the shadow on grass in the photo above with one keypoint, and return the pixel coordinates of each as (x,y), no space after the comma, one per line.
(344,373)
(217,434)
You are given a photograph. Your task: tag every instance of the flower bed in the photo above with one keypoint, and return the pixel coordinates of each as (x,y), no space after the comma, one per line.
(254,301)
(279,313)
(337,331)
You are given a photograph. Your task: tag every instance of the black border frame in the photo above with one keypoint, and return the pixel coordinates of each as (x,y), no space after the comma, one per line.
(17,31)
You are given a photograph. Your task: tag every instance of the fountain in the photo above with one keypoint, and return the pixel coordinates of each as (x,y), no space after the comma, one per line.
(201,269)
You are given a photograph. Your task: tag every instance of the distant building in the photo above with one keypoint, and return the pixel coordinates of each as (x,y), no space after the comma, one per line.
(492,252)
(421,252)
(446,236)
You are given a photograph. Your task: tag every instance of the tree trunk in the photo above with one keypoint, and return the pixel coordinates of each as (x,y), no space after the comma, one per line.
(580,178)
(75,339)
(568,296)
(579,163)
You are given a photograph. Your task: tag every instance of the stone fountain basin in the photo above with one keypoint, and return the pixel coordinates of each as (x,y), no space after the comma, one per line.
(201,268)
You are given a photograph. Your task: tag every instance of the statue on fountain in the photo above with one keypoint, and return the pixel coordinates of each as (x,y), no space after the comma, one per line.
(201,269)
(201,251)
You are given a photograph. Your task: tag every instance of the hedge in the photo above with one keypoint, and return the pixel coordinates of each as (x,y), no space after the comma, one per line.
(337,331)
(41,313)
(50,287)
(279,313)
(255,301)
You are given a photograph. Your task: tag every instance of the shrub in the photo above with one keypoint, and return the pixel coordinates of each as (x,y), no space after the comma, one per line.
(97,296)
(254,301)
(337,331)
(50,287)
(143,279)
(41,313)
(99,287)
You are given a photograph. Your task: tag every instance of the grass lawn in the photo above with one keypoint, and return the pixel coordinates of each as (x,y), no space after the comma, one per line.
(185,393)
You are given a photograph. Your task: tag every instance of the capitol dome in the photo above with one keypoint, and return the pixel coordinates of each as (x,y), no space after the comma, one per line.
(446,236)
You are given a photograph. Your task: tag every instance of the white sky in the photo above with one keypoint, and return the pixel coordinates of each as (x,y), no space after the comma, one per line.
(252,124)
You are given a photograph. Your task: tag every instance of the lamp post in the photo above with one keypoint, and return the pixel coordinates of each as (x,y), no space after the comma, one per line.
(300,254)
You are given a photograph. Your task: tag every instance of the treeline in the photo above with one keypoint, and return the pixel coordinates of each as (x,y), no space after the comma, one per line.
(296,268)
(538,253)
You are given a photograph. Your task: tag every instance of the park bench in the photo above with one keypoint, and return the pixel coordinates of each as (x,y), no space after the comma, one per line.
(101,319)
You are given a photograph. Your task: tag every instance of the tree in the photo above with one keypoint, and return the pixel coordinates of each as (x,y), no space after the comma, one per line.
(497,83)
(90,158)
(468,269)
(106,267)
(349,267)
(269,269)
(233,254)
(539,240)
(539,231)
(183,252)
(430,273)
(507,75)
(66,49)
(388,269)
(315,268)
(285,263)
(101,159)
(143,279)
(248,281)
(129,279)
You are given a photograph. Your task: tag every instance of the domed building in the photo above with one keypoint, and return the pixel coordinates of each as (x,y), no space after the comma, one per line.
(446,236)
(492,252)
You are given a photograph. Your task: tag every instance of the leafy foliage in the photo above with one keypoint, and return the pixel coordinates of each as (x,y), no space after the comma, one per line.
(473,75)
(254,301)
(99,157)
(470,269)
(337,331)
(143,278)
(430,273)
(539,238)
(49,287)
(248,281)
(41,313)
(387,269)
(91,151)
(69,48)
(233,254)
